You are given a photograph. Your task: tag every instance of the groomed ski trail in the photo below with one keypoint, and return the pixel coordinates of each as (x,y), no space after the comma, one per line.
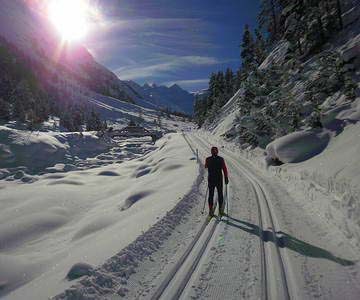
(175,282)
(273,274)
(288,267)
(178,283)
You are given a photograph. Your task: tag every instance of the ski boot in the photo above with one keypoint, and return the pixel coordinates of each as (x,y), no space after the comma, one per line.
(221,212)
(211,214)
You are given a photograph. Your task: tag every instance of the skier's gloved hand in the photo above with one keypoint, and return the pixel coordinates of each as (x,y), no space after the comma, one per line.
(226,180)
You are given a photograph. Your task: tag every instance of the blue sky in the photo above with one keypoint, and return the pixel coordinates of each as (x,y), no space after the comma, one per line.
(170,41)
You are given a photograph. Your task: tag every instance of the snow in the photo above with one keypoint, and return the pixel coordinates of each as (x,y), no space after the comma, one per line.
(351,49)
(277,56)
(228,116)
(86,216)
(298,146)
(101,218)
(336,172)
(36,151)
(351,114)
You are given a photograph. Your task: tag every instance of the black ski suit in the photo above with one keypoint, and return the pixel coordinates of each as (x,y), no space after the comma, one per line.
(216,165)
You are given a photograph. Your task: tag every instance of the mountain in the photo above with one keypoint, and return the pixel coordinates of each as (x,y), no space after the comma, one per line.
(68,72)
(63,70)
(173,98)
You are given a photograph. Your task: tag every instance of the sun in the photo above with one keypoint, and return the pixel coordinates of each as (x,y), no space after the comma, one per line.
(70,17)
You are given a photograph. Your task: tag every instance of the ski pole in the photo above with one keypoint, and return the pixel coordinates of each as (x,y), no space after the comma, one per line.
(205,200)
(227,201)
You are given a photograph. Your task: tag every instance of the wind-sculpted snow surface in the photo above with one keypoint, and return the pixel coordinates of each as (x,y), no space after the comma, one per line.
(81,218)
(111,278)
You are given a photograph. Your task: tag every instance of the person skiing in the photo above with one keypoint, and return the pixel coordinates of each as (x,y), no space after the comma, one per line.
(216,166)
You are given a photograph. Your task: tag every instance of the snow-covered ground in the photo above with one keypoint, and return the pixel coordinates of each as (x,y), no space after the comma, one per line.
(126,224)
(85,216)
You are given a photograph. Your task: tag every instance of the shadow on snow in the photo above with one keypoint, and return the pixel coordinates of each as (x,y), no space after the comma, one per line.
(284,240)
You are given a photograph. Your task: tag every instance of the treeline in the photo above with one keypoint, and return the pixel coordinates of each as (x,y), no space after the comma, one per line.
(267,104)
(23,99)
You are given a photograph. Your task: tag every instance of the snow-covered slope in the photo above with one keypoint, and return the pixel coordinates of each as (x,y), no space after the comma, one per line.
(173,98)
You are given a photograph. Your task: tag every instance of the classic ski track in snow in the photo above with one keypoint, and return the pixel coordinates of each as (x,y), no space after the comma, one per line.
(176,281)
(271,256)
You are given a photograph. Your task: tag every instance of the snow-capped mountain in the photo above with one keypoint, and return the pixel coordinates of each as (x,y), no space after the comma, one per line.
(173,98)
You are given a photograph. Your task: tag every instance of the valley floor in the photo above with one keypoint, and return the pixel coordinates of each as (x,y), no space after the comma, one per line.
(272,244)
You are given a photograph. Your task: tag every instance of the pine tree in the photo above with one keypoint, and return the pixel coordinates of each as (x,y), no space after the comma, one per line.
(66,120)
(260,48)
(247,50)
(23,100)
(229,83)
(238,79)
(5,110)
(93,122)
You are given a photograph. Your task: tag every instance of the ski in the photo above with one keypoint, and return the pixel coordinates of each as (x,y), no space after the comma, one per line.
(209,218)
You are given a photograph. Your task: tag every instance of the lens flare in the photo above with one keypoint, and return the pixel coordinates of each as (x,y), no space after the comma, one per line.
(70,17)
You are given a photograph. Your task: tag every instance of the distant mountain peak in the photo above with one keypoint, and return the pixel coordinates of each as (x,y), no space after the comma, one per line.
(175,86)
(169,97)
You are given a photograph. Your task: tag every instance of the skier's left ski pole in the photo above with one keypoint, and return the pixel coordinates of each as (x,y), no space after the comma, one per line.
(202,212)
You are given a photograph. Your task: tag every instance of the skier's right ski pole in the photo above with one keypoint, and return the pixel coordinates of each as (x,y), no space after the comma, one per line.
(202,212)
(227,201)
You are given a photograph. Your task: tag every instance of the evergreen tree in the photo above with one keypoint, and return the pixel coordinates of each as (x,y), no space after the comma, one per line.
(229,83)
(5,110)
(66,120)
(93,122)
(247,51)
(238,79)
(22,100)
(220,86)
(260,49)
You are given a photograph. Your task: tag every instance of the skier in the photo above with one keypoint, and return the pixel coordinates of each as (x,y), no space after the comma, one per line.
(216,165)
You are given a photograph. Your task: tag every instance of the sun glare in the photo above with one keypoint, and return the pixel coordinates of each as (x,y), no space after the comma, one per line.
(70,17)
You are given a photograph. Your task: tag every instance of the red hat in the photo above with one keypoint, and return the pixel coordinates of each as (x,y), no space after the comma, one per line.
(214,151)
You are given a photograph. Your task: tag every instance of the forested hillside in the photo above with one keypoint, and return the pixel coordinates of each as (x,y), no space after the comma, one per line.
(297,66)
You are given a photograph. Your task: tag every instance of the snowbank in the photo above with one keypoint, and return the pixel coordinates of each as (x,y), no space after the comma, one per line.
(330,182)
(36,151)
(297,146)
